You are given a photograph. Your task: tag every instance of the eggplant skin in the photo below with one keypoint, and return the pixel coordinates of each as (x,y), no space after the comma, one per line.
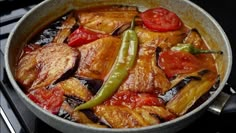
(84,116)
(46,65)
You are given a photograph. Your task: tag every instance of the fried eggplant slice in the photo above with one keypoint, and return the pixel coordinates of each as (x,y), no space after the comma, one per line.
(46,65)
(188,95)
(54,61)
(145,76)
(160,112)
(84,116)
(92,84)
(106,19)
(74,87)
(65,29)
(26,71)
(98,57)
(120,116)
(160,39)
(67,112)
(147,116)
(194,38)
(141,77)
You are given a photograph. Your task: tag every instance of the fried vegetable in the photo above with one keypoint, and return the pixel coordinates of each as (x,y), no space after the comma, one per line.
(98,57)
(55,62)
(191,49)
(124,62)
(107,19)
(147,116)
(174,90)
(65,29)
(26,71)
(161,112)
(125,117)
(187,96)
(120,116)
(46,65)
(67,112)
(73,87)
(160,39)
(207,60)
(85,116)
(92,84)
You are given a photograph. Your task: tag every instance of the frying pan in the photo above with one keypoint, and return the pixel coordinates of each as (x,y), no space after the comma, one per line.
(191,15)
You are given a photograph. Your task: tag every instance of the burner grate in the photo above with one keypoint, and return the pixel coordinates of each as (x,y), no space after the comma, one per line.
(20,118)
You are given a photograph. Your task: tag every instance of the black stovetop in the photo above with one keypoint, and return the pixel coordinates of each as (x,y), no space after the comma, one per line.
(16,118)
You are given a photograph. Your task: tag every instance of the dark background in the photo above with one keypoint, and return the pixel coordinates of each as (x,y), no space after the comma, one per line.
(224,13)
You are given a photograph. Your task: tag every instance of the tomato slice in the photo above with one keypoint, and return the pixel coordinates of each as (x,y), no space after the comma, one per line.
(161,19)
(134,99)
(83,36)
(50,100)
(177,62)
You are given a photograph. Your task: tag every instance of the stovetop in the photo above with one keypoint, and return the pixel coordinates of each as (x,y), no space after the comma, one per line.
(16,118)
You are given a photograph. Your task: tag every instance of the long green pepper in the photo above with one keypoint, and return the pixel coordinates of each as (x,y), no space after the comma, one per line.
(124,62)
(191,49)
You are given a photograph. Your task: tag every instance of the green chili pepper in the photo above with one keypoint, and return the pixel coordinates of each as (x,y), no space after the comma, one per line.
(124,62)
(191,49)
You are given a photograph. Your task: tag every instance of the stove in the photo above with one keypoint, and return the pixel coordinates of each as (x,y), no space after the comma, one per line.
(16,118)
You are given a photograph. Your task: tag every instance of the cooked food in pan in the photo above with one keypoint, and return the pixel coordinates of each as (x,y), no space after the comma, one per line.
(117,67)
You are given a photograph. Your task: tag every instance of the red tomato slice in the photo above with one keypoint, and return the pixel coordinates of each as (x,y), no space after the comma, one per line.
(50,100)
(161,19)
(82,36)
(177,62)
(134,99)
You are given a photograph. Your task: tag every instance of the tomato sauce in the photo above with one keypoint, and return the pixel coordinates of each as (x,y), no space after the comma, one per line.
(134,99)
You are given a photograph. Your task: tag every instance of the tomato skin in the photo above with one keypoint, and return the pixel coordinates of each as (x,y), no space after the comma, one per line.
(134,99)
(161,19)
(82,36)
(177,62)
(50,100)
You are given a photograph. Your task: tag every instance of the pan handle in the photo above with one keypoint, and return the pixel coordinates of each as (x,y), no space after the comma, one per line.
(224,104)
(230,106)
